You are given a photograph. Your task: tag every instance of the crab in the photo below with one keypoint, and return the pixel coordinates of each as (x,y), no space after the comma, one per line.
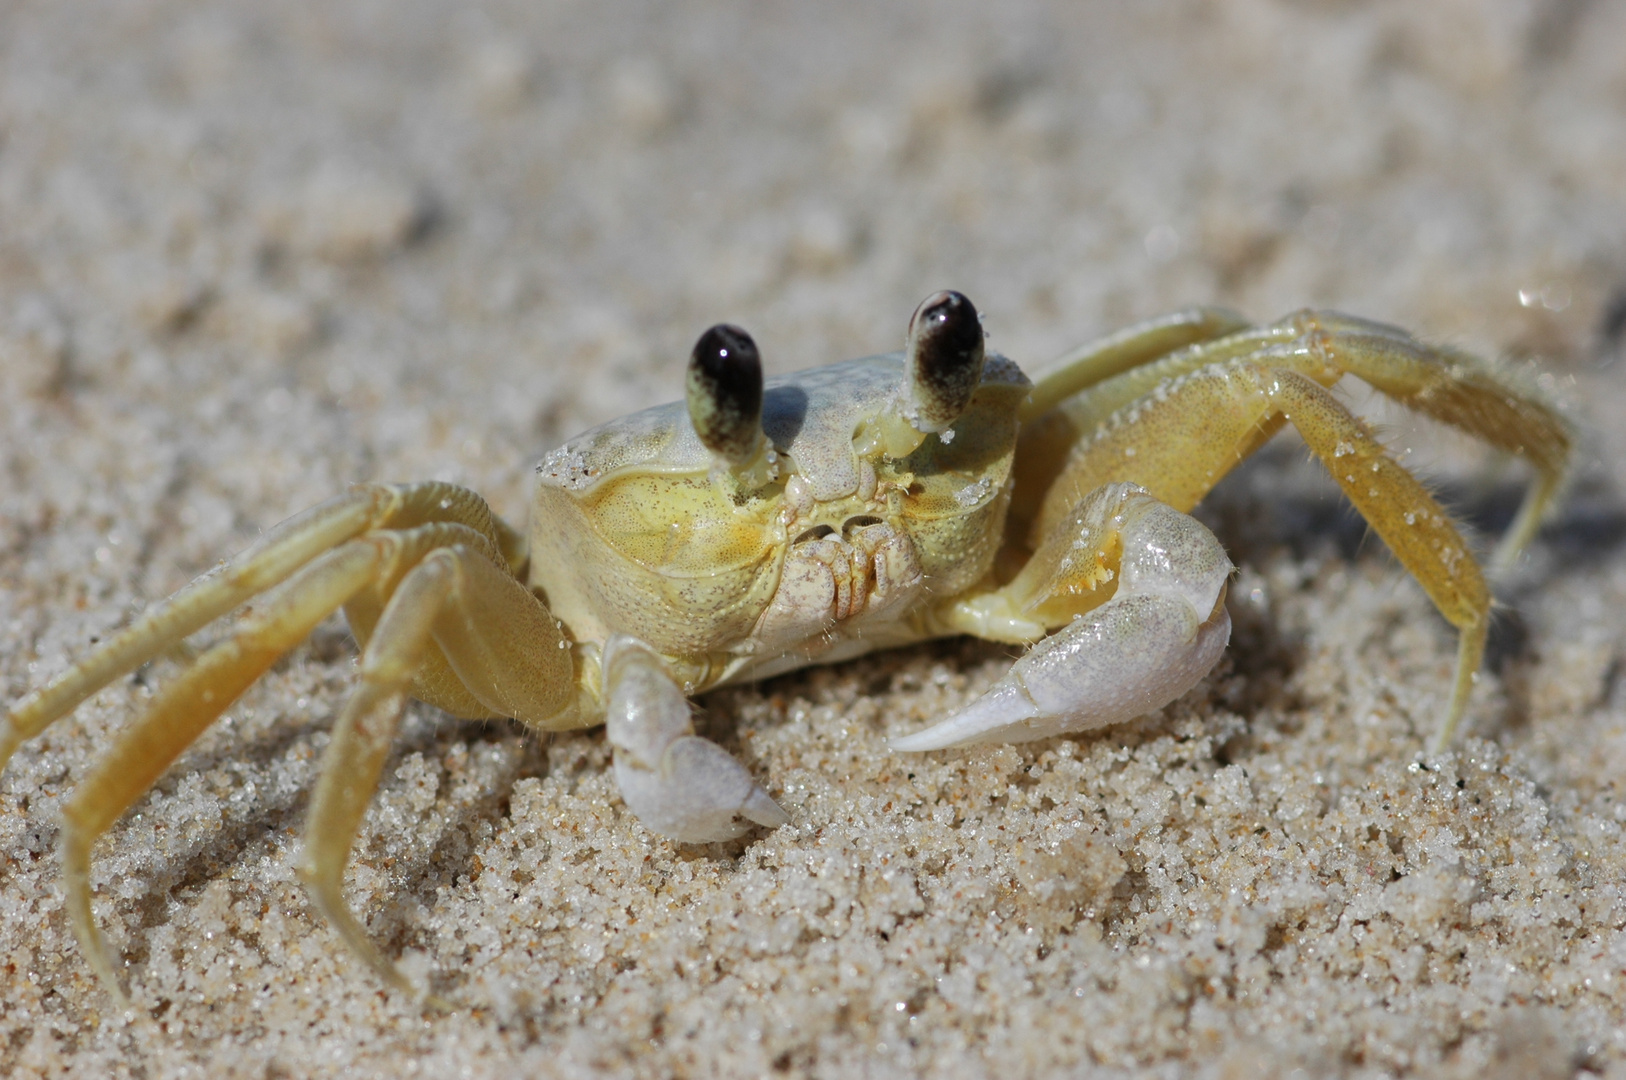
(755,528)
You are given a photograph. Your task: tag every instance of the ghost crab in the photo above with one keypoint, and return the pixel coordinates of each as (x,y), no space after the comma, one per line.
(753,529)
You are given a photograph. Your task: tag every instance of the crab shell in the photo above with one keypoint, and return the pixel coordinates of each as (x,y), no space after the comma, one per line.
(635,532)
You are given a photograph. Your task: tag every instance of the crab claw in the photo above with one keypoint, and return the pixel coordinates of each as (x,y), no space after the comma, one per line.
(678,784)
(1164,628)
(1129,657)
(945,354)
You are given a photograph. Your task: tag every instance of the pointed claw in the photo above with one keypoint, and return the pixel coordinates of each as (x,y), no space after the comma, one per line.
(678,784)
(697,795)
(1006,707)
(1127,658)
(76,874)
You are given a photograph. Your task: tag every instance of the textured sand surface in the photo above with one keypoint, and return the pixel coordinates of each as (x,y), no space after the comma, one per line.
(252,252)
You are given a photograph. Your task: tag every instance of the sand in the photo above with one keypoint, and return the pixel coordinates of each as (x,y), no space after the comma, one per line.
(250,253)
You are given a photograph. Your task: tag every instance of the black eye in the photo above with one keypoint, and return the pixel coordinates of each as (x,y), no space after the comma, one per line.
(945,358)
(724,392)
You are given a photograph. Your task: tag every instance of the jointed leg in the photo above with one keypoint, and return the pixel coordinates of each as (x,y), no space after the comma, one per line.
(350,551)
(278,554)
(1130,348)
(1459,390)
(1442,383)
(1058,413)
(1183,441)
(361,741)
(504,645)
(189,704)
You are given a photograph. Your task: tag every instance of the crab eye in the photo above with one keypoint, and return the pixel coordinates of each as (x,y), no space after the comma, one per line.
(945,359)
(724,392)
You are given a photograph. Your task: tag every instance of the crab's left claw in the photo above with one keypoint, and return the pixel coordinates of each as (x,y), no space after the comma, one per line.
(1130,657)
(680,785)
(1163,629)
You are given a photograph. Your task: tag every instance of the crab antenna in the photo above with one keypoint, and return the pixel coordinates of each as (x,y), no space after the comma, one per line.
(945,359)
(724,393)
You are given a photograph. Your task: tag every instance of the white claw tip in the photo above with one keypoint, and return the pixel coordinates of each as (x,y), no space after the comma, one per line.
(997,716)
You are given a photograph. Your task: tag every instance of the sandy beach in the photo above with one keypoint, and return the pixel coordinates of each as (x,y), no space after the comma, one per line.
(251,253)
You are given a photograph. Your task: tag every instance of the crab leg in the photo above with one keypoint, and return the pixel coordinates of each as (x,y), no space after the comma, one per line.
(361,741)
(513,658)
(502,644)
(1459,390)
(1129,348)
(678,784)
(189,704)
(278,554)
(1442,383)
(308,579)
(1184,440)
(1138,591)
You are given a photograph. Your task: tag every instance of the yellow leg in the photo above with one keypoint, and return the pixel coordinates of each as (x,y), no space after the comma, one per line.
(1442,383)
(1057,415)
(1130,348)
(1459,390)
(278,554)
(188,705)
(434,502)
(1181,442)
(505,647)
(349,552)
(361,742)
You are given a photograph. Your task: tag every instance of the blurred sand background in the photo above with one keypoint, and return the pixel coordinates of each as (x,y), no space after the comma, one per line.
(252,252)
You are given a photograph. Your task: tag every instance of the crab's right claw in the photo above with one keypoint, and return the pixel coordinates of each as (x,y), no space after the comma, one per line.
(678,784)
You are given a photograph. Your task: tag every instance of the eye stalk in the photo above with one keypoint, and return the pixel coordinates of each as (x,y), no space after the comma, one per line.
(943,360)
(724,393)
(945,353)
